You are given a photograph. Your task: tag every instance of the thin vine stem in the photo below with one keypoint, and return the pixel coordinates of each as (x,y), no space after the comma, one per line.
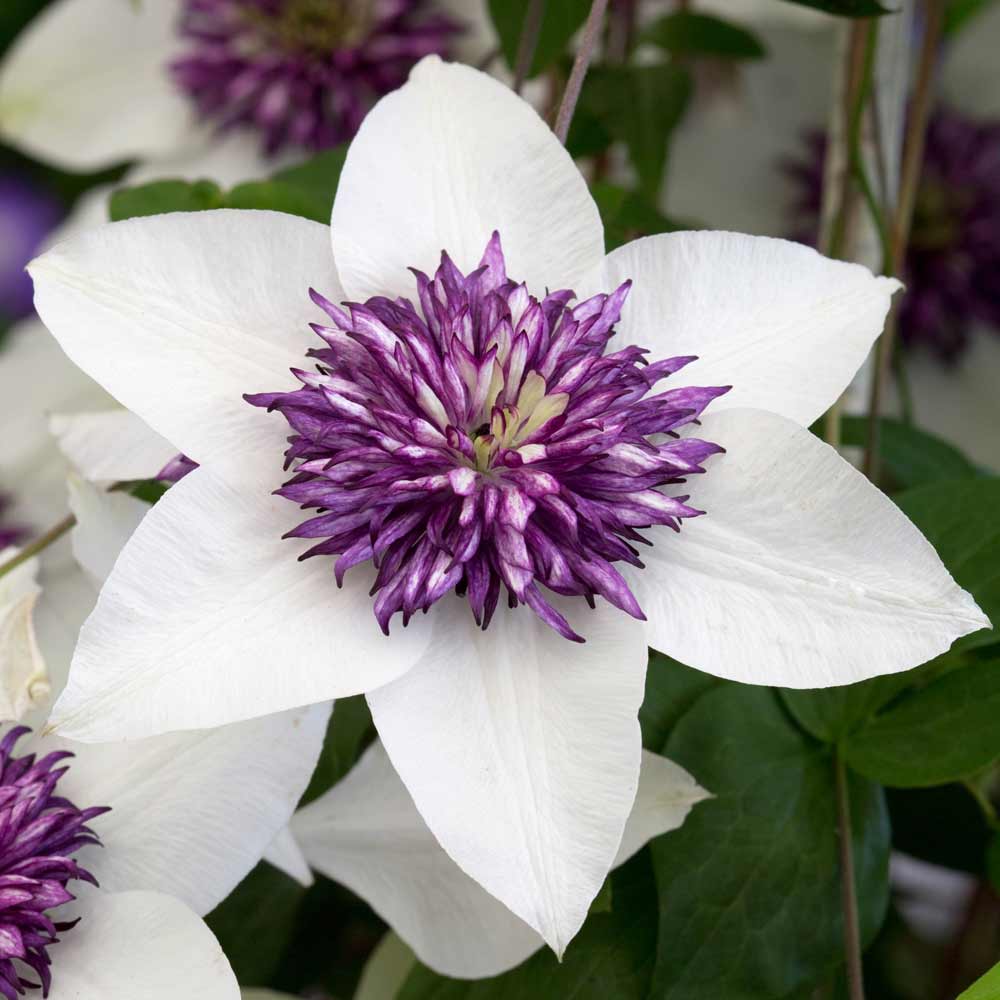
(588,43)
(848,891)
(528,42)
(38,545)
(913,158)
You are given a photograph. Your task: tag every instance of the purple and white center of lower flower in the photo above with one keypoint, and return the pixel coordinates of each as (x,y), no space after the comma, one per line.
(39,833)
(487,439)
(303,72)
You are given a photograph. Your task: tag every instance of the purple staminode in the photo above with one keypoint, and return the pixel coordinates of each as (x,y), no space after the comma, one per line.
(953,254)
(39,833)
(176,469)
(303,72)
(10,533)
(485,439)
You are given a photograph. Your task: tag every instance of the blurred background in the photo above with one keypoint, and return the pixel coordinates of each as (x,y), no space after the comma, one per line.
(733,135)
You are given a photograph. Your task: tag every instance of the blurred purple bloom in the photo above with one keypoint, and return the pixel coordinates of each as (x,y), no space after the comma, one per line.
(484,440)
(304,72)
(953,256)
(10,534)
(27,215)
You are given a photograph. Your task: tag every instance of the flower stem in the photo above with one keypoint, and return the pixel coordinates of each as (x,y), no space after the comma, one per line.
(591,32)
(39,544)
(848,891)
(528,42)
(913,158)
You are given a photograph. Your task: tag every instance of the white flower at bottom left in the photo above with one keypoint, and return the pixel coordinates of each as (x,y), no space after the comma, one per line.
(190,814)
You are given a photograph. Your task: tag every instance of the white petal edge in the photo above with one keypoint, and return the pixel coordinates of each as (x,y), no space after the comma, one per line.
(110,446)
(386,970)
(24,679)
(522,752)
(477,159)
(104,523)
(192,813)
(285,854)
(87,84)
(801,573)
(366,833)
(139,946)
(786,327)
(178,316)
(208,618)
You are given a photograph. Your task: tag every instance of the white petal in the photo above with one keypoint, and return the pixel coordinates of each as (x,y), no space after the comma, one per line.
(192,813)
(801,574)
(104,523)
(386,970)
(178,315)
(24,680)
(666,795)
(440,164)
(786,327)
(366,833)
(286,855)
(111,445)
(139,946)
(522,752)
(208,618)
(87,85)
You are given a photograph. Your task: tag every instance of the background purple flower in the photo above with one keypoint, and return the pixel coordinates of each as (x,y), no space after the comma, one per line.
(27,214)
(304,72)
(953,256)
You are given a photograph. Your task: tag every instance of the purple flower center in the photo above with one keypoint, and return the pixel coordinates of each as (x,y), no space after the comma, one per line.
(39,833)
(303,72)
(486,440)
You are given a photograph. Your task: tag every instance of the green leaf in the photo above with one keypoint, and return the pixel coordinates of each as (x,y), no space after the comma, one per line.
(684,33)
(750,884)
(961,520)
(911,456)
(671,689)
(640,106)
(610,959)
(349,731)
(560,21)
(830,714)
(844,8)
(255,923)
(986,988)
(386,970)
(993,861)
(306,190)
(943,732)
(158,197)
(627,215)
(961,13)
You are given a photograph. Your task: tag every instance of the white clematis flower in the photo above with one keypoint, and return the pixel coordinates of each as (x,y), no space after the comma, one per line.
(366,833)
(190,814)
(521,751)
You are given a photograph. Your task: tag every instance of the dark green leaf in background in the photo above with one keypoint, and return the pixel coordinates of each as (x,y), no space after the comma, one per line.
(844,8)
(962,521)
(610,959)
(750,884)
(671,690)
(560,21)
(350,730)
(639,106)
(986,988)
(910,456)
(158,197)
(944,732)
(306,190)
(627,215)
(685,33)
